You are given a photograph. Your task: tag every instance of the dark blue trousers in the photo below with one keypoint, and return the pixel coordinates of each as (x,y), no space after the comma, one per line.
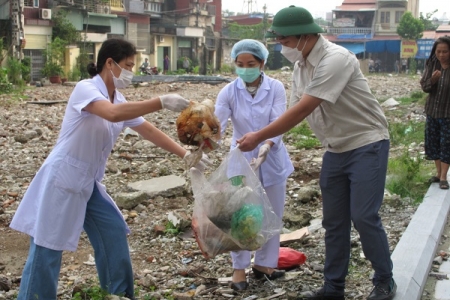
(352,185)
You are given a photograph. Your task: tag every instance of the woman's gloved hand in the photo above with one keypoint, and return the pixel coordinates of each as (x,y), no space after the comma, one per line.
(262,155)
(197,159)
(174,102)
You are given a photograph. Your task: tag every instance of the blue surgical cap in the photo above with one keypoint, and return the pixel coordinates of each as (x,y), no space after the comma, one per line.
(250,46)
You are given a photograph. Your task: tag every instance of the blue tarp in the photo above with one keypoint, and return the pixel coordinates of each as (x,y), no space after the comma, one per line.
(353,47)
(392,46)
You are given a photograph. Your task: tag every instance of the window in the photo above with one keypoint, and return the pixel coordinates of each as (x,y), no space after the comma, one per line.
(155,7)
(398,16)
(385,17)
(35,3)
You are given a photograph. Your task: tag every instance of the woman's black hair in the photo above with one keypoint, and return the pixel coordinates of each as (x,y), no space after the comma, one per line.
(256,57)
(442,40)
(117,49)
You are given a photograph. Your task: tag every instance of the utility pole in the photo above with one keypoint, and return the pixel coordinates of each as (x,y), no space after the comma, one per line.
(17,28)
(250,5)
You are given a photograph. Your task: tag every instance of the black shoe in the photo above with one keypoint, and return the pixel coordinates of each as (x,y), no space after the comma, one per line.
(383,291)
(320,294)
(262,275)
(239,286)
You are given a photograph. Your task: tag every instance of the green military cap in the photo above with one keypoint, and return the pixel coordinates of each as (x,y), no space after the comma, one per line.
(293,20)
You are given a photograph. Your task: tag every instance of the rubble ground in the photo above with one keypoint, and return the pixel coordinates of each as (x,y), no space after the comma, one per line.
(171,266)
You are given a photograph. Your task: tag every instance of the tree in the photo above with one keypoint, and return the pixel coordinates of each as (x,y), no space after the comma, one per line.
(255,32)
(321,22)
(63,29)
(409,27)
(427,21)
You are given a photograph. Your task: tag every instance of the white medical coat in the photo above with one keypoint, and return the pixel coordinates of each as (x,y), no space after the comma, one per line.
(53,208)
(249,114)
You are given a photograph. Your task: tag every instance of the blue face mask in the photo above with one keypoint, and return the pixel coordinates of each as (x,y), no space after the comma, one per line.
(248,74)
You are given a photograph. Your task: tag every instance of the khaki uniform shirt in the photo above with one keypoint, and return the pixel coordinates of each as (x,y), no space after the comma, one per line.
(349,117)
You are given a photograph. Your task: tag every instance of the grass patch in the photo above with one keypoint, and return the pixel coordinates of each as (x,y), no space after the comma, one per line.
(90,293)
(302,136)
(171,229)
(408,176)
(16,96)
(407,133)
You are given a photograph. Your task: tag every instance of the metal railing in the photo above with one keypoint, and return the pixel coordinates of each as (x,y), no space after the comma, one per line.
(349,30)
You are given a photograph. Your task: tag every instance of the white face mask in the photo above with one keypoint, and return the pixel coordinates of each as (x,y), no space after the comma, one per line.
(293,54)
(124,79)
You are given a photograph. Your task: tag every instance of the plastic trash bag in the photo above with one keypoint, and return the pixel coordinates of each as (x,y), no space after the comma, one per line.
(231,209)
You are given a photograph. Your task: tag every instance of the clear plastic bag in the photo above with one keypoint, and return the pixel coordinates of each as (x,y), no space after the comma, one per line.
(231,210)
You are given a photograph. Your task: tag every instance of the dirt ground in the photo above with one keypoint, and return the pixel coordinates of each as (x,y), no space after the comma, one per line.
(157,260)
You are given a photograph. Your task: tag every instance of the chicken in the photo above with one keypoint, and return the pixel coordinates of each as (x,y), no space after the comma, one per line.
(198,126)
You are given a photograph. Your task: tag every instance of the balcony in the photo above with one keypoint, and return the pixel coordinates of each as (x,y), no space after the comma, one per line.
(350,30)
(386,27)
(95,6)
(163,29)
(152,8)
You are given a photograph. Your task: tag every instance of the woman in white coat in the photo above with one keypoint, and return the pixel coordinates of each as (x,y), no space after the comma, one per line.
(66,195)
(252,101)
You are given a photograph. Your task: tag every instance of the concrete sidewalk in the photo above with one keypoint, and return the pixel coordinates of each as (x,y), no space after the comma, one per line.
(414,253)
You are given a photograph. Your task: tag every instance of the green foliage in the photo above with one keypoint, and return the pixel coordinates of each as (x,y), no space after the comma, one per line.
(82,62)
(26,69)
(54,55)
(406,133)
(303,136)
(15,72)
(407,176)
(418,95)
(5,86)
(426,21)
(90,293)
(64,29)
(195,69)
(227,69)
(209,69)
(255,32)
(2,46)
(409,27)
(74,74)
(413,66)
(171,229)
(180,72)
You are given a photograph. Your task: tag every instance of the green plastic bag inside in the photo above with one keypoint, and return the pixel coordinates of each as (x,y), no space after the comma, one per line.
(246,224)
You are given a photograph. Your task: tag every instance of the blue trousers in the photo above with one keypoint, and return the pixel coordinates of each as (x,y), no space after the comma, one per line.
(107,234)
(352,185)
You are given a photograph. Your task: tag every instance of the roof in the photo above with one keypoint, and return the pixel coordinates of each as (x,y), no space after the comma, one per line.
(359,2)
(429,35)
(335,38)
(433,35)
(357,5)
(443,28)
(360,7)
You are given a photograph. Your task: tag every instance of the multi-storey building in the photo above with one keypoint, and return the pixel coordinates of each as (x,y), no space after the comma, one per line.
(177,28)
(369,27)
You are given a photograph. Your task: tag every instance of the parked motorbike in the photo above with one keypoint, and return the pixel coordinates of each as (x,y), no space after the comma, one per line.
(148,70)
